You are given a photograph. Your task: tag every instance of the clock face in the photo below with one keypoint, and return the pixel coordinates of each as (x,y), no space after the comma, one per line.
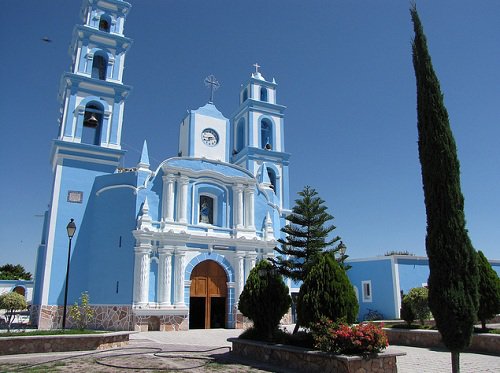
(209,137)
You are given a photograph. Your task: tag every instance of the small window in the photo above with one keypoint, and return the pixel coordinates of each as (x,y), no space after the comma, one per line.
(266,135)
(367,290)
(99,66)
(245,95)
(104,23)
(206,210)
(240,135)
(272,178)
(263,94)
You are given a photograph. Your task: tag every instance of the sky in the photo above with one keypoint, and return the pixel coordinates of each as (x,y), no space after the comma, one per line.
(344,71)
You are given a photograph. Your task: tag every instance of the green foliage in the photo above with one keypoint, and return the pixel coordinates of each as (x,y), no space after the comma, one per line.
(489,290)
(264,299)
(340,338)
(14,272)
(453,279)
(12,302)
(418,302)
(406,311)
(307,234)
(398,252)
(326,291)
(82,314)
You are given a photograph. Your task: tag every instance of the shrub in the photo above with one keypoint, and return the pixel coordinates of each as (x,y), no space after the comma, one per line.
(82,314)
(362,339)
(264,299)
(326,291)
(406,311)
(11,302)
(419,304)
(489,290)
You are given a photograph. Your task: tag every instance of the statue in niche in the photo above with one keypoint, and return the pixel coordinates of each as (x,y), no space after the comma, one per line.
(206,211)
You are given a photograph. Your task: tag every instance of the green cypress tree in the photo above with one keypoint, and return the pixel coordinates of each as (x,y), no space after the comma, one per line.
(264,299)
(326,291)
(453,274)
(306,235)
(489,290)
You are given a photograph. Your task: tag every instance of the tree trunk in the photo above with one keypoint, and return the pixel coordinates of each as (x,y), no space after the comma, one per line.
(483,325)
(455,362)
(296,329)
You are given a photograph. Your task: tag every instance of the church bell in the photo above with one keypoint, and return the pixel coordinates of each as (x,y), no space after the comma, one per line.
(91,121)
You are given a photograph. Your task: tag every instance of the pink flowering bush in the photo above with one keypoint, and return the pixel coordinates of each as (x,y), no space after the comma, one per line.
(340,338)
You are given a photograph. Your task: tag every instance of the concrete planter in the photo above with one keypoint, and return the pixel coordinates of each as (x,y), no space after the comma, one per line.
(304,360)
(482,343)
(58,343)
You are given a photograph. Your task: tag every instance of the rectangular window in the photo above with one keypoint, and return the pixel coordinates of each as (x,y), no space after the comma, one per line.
(367,290)
(75,196)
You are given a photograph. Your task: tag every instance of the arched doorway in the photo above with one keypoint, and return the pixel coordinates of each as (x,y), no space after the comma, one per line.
(208,295)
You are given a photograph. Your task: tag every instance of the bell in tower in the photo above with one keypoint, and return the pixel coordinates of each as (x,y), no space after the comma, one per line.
(91,121)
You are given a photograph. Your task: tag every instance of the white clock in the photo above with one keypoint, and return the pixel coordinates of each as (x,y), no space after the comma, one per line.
(209,137)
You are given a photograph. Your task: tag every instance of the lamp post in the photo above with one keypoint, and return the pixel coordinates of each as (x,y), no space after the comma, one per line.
(71,229)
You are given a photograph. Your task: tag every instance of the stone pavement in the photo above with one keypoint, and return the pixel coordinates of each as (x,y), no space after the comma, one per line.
(420,360)
(194,349)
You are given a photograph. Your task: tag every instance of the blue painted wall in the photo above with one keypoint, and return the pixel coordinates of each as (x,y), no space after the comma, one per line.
(379,272)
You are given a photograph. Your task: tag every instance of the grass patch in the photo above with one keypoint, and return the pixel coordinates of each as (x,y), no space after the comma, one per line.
(49,332)
(412,326)
(487,330)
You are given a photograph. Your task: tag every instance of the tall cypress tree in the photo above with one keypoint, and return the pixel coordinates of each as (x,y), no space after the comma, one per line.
(307,234)
(453,279)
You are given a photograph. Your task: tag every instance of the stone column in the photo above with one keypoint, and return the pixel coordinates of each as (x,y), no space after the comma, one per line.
(250,260)
(183,182)
(141,274)
(167,209)
(238,205)
(249,208)
(165,275)
(240,274)
(180,264)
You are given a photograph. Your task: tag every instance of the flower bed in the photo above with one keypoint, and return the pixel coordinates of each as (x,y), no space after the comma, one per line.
(302,359)
(57,343)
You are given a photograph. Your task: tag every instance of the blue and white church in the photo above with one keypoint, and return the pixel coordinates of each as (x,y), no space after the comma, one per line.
(167,247)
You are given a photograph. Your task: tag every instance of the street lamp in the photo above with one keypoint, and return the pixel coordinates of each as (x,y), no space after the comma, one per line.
(71,229)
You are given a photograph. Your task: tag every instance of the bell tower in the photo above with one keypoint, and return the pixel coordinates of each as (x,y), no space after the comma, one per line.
(258,136)
(88,144)
(93,95)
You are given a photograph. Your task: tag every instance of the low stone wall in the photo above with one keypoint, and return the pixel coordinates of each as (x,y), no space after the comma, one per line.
(58,343)
(481,342)
(303,360)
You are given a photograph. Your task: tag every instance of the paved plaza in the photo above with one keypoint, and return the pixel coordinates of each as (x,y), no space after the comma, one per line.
(207,351)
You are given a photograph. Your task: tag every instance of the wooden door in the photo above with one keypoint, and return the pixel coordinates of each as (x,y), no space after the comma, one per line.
(208,281)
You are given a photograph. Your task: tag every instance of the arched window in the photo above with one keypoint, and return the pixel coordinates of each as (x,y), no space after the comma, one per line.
(92,122)
(99,66)
(206,215)
(19,290)
(245,95)
(266,134)
(240,135)
(263,94)
(104,23)
(272,178)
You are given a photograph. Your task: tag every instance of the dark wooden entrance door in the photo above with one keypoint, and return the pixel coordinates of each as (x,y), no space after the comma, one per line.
(208,294)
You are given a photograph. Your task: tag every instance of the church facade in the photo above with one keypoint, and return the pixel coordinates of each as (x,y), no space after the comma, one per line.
(157,248)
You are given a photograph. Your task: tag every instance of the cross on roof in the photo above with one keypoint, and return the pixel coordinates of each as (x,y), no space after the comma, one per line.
(256,65)
(211,81)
